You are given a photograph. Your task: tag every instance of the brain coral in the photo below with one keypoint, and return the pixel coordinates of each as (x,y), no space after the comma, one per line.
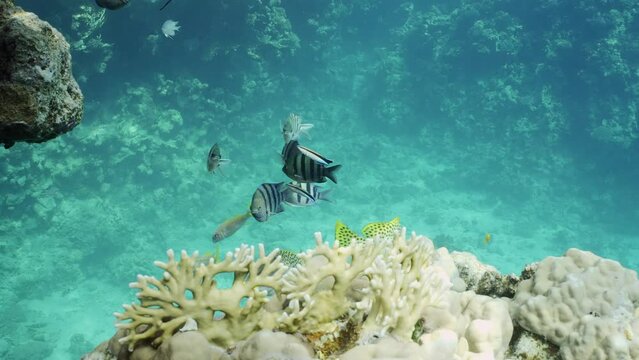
(583,303)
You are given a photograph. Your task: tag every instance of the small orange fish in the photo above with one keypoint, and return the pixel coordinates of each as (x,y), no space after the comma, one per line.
(230,226)
(487,238)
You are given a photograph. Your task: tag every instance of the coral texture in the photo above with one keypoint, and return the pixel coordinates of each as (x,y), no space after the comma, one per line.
(268,345)
(39,98)
(387,281)
(188,290)
(583,303)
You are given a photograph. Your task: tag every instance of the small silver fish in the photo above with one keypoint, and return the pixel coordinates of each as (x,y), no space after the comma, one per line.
(293,198)
(111,4)
(230,226)
(292,128)
(214,160)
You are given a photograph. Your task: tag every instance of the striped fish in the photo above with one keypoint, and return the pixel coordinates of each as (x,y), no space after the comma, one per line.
(315,193)
(268,198)
(305,165)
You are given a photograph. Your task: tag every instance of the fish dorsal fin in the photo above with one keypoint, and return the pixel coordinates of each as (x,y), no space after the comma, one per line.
(381,228)
(344,235)
(314,155)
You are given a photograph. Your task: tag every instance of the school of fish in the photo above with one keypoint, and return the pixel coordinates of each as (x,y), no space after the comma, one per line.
(306,167)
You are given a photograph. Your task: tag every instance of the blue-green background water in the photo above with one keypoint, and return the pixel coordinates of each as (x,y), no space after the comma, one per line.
(517,119)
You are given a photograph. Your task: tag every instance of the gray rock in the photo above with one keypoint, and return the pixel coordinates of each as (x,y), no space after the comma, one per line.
(484,279)
(39,98)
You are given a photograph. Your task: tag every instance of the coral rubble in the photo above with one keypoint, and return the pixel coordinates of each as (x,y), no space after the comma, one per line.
(40,99)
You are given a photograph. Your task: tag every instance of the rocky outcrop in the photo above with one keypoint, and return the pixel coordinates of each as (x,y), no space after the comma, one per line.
(39,98)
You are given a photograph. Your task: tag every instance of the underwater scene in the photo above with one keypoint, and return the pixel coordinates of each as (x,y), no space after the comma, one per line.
(500,128)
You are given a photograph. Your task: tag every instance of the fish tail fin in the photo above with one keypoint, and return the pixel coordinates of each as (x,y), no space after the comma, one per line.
(330,172)
(394,223)
(343,234)
(324,195)
(304,129)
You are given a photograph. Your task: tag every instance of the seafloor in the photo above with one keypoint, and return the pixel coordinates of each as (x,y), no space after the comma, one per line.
(462,118)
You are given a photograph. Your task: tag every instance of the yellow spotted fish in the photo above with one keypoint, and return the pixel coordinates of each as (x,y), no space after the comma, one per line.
(344,235)
(289,258)
(382,228)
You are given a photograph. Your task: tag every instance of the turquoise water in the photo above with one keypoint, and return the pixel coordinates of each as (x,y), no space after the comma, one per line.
(460,118)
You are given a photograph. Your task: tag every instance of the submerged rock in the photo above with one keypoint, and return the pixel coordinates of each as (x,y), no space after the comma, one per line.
(484,279)
(39,98)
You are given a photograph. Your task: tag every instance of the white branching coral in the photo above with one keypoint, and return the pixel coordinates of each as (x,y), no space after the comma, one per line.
(317,292)
(188,290)
(381,285)
(402,285)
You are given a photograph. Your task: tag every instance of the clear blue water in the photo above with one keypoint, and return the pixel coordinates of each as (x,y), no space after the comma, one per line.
(461,117)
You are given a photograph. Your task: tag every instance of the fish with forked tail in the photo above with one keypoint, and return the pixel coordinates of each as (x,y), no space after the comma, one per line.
(293,198)
(268,199)
(305,165)
(230,226)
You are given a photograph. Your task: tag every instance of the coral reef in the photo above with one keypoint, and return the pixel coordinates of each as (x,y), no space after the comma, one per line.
(336,299)
(583,303)
(378,298)
(190,291)
(40,97)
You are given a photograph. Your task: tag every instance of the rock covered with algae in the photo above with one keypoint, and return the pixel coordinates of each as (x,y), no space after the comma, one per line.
(39,98)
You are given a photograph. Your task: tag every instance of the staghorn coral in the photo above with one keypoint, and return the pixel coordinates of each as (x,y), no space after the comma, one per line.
(402,285)
(317,291)
(165,305)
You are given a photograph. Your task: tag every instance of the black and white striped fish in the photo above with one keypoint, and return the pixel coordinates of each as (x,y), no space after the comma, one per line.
(305,165)
(268,198)
(293,198)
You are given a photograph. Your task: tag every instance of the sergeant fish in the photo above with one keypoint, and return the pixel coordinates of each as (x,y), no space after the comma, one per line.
(294,199)
(305,165)
(387,229)
(292,128)
(267,200)
(230,226)
(214,160)
(111,4)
